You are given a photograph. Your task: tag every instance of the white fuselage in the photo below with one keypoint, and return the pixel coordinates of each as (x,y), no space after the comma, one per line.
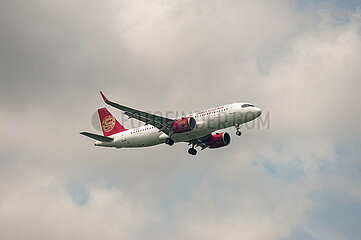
(207,122)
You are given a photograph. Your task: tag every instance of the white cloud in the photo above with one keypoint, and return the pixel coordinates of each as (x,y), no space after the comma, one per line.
(42,209)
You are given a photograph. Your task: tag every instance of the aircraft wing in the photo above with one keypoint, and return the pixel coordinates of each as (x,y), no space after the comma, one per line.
(162,123)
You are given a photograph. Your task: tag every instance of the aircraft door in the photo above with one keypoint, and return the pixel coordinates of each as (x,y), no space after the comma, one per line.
(231,119)
(123,137)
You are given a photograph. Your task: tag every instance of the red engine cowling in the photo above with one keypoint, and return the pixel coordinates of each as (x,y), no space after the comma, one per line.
(219,140)
(184,125)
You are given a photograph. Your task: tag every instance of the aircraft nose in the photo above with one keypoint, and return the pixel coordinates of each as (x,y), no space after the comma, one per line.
(252,113)
(258,112)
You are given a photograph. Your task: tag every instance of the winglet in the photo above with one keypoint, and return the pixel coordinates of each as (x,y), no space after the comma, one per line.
(104,98)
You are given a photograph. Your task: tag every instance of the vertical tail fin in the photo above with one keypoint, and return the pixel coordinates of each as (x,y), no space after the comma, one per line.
(109,124)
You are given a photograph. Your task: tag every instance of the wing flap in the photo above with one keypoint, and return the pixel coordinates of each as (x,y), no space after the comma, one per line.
(200,142)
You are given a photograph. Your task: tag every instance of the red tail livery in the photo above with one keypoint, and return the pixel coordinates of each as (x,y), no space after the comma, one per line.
(109,124)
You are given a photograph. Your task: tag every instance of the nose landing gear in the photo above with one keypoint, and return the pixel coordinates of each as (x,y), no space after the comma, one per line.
(238,132)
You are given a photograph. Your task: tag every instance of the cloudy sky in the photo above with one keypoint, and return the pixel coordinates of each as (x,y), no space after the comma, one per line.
(296,177)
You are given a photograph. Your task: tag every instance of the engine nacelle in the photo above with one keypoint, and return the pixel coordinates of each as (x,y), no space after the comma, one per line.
(219,140)
(184,125)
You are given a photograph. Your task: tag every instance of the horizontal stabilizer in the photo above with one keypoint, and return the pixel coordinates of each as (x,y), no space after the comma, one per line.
(97,137)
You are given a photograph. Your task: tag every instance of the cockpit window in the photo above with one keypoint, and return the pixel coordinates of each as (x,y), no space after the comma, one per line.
(247,105)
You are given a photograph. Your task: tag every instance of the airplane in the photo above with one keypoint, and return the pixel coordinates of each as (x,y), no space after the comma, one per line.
(199,129)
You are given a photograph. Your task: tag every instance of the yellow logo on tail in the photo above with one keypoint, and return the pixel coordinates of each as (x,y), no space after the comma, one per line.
(108,123)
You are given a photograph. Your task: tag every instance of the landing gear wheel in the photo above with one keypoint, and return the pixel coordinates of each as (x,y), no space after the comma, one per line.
(238,132)
(192,151)
(169,141)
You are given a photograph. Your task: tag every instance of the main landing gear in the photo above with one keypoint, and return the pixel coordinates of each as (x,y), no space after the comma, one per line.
(192,150)
(169,141)
(238,132)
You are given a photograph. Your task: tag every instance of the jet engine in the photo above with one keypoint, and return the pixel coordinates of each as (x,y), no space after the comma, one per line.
(184,125)
(219,140)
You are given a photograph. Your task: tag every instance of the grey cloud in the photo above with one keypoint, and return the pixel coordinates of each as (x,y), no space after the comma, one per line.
(300,65)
